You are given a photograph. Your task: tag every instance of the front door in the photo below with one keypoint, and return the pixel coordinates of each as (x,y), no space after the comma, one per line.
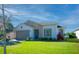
(36,33)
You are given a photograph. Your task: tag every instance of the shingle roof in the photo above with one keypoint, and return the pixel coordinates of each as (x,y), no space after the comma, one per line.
(33,23)
(42,22)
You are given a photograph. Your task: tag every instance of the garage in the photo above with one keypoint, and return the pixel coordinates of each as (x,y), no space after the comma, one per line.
(22,35)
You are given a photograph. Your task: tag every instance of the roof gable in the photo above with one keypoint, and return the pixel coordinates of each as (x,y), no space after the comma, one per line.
(42,23)
(38,24)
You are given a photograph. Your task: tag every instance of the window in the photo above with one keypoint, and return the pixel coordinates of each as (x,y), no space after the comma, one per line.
(47,32)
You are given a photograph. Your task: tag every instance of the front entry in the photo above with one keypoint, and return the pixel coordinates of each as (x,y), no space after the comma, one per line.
(36,34)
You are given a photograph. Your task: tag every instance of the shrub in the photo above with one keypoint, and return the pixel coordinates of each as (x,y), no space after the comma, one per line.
(45,39)
(71,35)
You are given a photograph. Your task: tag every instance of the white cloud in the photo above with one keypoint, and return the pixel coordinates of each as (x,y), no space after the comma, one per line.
(72,20)
(8,11)
(11,10)
(33,12)
(40,13)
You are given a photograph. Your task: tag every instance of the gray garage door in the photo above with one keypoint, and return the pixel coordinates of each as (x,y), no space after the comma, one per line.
(22,34)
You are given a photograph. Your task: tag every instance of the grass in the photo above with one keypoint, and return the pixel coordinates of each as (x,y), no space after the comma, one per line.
(42,47)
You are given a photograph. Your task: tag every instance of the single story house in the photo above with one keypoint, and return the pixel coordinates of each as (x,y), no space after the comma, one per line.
(77,33)
(35,30)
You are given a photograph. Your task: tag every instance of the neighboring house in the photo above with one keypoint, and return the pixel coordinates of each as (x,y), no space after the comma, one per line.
(36,30)
(77,33)
(11,35)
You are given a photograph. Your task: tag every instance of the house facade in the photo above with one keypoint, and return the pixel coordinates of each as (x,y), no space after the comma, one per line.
(35,30)
(77,33)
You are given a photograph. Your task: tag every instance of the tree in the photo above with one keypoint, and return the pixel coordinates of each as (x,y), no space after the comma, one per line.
(71,35)
(9,27)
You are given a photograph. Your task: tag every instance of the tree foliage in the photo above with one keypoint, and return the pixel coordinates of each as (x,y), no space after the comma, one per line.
(9,27)
(71,35)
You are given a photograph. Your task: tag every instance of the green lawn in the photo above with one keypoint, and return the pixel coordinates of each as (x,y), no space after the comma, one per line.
(42,47)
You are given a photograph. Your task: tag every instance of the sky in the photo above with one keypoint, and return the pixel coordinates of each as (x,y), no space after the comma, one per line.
(66,15)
